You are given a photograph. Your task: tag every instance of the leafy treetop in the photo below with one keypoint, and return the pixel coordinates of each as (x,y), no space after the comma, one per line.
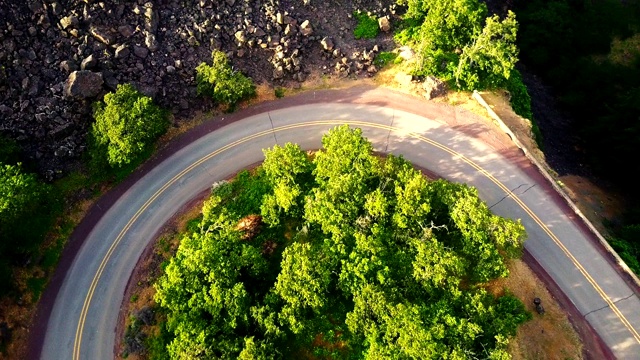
(356,257)
(127,124)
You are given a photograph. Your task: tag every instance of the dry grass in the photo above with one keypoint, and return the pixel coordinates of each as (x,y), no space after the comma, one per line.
(548,336)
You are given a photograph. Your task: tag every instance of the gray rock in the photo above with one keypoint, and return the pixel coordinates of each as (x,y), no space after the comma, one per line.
(305,28)
(56,9)
(171,69)
(151,42)
(69,21)
(433,87)
(126,30)
(122,51)
(151,19)
(278,73)
(240,36)
(140,51)
(89,63)
(102,35)
(83,84)
(327,44)
(384,24)
(372,69)
(5,110)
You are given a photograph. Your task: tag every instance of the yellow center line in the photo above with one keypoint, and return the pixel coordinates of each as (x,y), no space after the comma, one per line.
(159,192)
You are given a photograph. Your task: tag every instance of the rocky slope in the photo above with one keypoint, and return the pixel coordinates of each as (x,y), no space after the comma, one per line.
(59,56)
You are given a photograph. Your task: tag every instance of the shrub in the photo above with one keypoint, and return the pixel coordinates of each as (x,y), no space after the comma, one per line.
(367,27)
(220,82)
(384,58)
(521,103)
(127,124)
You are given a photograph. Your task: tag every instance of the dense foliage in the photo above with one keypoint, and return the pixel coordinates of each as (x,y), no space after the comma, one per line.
(25,207)
(127,125)
(220,82)
(457,42)
(589,52)
(343,254)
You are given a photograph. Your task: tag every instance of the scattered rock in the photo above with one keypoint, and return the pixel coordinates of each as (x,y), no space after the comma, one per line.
(433,87)
(151,42)
(69,21)
(140,51)
(102,35)
(122,52)
(305,28)
(83,84)
(384,24)
(327,44)
(126,30)
(89,63)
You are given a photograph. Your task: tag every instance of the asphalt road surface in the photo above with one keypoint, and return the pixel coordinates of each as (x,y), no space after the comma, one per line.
(82,320)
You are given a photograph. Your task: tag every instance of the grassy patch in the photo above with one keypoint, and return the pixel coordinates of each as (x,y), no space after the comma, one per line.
(367,27)
(384,58)
(279,92)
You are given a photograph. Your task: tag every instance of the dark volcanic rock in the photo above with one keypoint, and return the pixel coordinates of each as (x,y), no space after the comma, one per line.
(83,84)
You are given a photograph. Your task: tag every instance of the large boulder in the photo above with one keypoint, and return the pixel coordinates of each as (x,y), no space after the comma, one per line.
(384,24)
(433,87)
(83,84)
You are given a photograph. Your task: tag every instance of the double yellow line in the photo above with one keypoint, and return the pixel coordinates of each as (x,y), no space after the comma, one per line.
(105,260)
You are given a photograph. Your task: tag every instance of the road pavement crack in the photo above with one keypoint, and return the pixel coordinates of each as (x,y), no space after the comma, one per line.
(512,192)
(393,117)
(606,306)
(273,131)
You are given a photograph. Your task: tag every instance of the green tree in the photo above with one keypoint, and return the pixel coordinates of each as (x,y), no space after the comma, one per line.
(26,208)
(377,262)
(127,124)
(220,82)
(456,41)
(489,60)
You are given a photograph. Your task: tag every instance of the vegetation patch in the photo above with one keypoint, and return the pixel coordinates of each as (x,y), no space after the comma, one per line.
(127,125)
(456,41)
(342,255)
(222,83)
(521,104)
(385,58)
(367,27)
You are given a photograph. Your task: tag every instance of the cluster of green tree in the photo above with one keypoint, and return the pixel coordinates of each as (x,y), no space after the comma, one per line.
(457,42)
(126,126)
(222,83)
(589,52)
(26,212)
(341,254)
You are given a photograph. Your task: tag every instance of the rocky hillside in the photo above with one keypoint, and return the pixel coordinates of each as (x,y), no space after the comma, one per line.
(60,56)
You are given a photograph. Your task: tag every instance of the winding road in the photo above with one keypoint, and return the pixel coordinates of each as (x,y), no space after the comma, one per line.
(79,311)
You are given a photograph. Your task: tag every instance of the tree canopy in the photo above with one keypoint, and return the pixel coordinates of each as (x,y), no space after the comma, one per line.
(127,124)
(221,82)
(25,203)
(456,41)
(341,254)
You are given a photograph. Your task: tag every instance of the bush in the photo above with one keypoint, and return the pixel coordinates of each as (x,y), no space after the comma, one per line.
(127,124)
(384,58)
(521,103)
(220,82)
(367,27)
